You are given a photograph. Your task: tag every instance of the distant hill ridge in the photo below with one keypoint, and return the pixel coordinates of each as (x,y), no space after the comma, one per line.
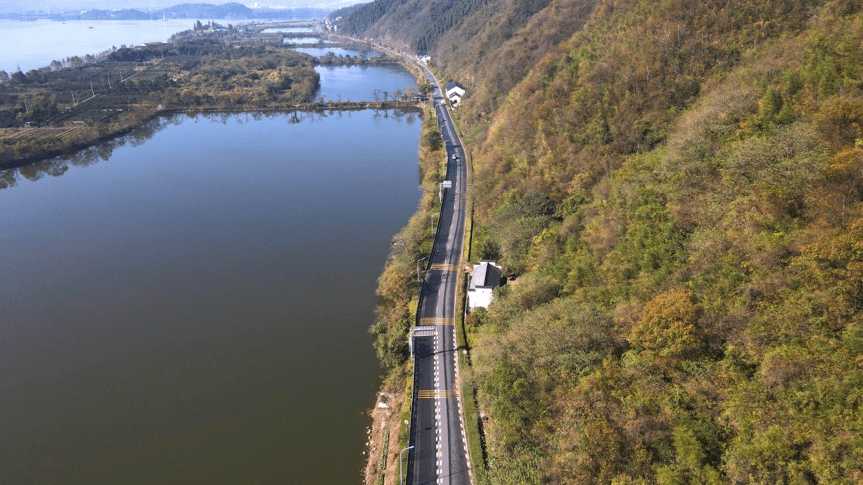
(226,11)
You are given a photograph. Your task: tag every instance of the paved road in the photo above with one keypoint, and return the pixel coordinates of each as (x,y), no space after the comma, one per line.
(437,432)
(439,454)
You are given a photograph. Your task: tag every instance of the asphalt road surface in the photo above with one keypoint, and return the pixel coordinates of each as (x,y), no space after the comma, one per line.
(437,431)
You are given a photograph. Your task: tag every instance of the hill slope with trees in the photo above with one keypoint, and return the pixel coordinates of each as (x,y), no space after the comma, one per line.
(678,188)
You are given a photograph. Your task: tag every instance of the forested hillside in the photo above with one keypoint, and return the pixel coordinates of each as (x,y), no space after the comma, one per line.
(678,188)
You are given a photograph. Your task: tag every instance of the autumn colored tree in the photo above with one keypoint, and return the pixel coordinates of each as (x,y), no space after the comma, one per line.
(685,180)
(667,325)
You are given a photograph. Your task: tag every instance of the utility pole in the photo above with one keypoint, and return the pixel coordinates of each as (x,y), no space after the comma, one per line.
(401,478)
(418,266)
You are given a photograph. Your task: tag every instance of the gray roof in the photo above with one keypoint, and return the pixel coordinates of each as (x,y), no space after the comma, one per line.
(485,275)
(452,84)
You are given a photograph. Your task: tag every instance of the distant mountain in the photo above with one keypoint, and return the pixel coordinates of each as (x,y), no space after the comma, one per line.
(125,14)
(227,11)
(200,10)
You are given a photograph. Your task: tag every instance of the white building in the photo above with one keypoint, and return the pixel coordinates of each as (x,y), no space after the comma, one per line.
(454,91)
(484,278)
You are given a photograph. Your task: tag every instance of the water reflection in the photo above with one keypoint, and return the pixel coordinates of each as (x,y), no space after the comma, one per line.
(171,310)
(337,51)
(58,166)
(301,40)
(276,30)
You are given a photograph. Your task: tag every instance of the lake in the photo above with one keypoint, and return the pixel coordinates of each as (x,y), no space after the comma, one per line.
(34,44)
(190,303)
(194,307)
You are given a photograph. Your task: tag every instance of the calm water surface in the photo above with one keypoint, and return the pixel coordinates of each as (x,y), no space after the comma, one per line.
(30,45)
(301,40)
(275,30)
(339,51)
(357,83)
(193,307)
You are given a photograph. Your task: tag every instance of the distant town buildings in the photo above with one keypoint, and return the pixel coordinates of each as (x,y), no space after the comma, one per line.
(484,278)
(454,91)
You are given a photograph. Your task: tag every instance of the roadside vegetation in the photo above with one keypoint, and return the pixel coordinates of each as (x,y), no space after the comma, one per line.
(398,292)
(678,188)
(398,288)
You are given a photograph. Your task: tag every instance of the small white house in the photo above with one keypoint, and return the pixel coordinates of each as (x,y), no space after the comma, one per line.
(454,91)
(484,278)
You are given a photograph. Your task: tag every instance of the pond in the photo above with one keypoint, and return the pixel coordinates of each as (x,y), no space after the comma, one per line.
(339,51)
(276,30)
(301,40)
(363,83)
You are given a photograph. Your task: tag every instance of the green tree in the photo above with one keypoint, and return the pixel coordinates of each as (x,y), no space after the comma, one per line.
(689,467)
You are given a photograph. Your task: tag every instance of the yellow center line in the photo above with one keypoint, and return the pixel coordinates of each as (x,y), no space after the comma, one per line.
(437,321)
(443,267)
(434,394)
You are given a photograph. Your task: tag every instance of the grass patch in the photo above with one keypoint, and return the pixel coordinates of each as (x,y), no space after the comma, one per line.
(468,236)
(383,464)
(407,405)
(468,393)
(472,423)
(472,429)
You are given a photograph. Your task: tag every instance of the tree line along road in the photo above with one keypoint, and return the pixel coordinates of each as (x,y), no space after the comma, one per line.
(438,445)
(439,453)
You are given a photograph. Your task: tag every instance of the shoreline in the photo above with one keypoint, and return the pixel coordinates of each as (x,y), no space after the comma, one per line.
(387,414)
(78,103)
(388,433)
(73,148)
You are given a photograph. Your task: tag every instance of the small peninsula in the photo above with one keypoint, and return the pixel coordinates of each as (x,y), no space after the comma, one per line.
(79,101)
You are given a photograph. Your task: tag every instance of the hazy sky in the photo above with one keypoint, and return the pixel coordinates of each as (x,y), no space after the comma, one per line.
(31,5)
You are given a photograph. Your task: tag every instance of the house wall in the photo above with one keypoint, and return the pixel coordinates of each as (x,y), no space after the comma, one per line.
(481,297)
